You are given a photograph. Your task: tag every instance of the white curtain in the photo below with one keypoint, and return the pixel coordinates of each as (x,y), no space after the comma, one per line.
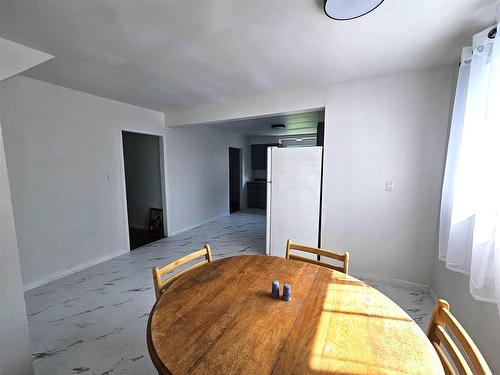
(469,231)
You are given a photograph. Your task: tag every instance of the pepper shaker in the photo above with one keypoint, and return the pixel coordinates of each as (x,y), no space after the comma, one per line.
(287,292)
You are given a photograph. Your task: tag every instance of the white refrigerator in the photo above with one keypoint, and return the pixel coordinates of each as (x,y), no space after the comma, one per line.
(293,197)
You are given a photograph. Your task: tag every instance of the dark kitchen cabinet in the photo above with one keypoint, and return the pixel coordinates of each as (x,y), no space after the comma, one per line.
(252,195)
(259,155)
(261,196)
(256,194)
(320,134)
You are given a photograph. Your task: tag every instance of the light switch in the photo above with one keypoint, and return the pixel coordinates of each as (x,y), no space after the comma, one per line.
(108,178)
(389,186)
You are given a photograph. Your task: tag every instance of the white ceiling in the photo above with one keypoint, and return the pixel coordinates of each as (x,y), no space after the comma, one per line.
(297,123)
(182,54)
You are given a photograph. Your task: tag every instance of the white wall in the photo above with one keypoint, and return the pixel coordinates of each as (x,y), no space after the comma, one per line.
(387,128)
(277,103)
(143,177)
(60,144)
(198,174)
(15,347)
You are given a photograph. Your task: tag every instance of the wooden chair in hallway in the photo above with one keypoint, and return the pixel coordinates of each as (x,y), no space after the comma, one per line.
(160,285)
(454,362)
(343,258)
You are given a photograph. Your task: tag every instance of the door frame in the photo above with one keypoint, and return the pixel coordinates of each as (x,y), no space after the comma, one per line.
(240,182)
(163,174)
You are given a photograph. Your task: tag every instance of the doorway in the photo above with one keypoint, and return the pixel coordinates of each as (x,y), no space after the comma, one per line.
(234,179)
(144,187)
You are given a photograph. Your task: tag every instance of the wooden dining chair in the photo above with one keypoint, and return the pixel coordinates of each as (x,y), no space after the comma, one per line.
(160,285)
(343,258)
(441,323)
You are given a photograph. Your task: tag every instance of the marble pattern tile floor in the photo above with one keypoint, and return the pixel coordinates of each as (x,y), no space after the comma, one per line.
(94,321)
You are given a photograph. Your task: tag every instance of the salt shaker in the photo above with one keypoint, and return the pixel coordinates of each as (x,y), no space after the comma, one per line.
(275,291)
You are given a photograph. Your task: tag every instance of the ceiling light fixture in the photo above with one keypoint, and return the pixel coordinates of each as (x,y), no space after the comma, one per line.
(343,10)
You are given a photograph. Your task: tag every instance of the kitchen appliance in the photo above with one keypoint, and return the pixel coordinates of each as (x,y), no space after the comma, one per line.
(293,197)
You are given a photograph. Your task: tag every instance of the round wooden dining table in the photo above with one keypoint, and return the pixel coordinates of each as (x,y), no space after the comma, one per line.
(221,319)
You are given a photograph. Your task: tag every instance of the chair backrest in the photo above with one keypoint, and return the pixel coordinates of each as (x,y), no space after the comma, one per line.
(441,323)
(343,258)
(160,285)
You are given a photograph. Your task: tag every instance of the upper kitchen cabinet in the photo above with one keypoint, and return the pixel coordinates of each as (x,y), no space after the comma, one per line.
(259,155)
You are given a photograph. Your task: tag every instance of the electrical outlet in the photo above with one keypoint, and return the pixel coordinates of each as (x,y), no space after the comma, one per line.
(389,186)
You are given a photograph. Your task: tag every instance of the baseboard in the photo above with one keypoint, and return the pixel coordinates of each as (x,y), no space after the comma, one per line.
(433,295)
(393,282)
(197,224)
(60,274)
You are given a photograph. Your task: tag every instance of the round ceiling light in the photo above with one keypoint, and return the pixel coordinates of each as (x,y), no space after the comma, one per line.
(349,9)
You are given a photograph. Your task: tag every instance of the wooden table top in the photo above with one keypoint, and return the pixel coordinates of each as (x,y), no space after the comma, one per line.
(221,319)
